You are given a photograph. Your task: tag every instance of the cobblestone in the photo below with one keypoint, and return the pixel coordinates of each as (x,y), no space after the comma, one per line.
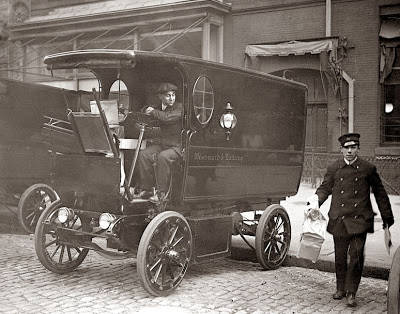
(222,286)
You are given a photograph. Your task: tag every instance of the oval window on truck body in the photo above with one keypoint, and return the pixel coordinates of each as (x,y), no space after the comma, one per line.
(203,100)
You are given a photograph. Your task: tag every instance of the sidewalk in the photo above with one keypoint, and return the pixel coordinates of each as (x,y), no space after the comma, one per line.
(377,261)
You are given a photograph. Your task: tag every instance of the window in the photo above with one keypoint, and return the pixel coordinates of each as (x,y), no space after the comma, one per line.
(203,100)
(391,103)
(389,35)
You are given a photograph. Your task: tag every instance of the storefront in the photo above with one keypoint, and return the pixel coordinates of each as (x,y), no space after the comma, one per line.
(193,28)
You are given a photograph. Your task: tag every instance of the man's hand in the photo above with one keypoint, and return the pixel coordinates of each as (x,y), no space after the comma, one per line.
(313,202)
(149,109)
(388,222)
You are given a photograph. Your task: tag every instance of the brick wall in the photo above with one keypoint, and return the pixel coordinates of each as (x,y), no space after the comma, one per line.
(255,21)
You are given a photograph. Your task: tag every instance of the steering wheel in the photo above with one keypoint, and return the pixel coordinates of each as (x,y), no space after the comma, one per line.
(142,119)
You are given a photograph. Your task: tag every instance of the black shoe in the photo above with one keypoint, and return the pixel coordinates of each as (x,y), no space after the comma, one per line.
(144,194)
(351,299)
(338,295)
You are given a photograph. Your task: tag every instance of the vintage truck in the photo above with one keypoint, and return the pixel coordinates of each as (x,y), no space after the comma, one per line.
(242,141)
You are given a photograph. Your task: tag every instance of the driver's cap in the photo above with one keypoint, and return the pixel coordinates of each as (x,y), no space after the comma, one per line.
(349,139)
(166,87)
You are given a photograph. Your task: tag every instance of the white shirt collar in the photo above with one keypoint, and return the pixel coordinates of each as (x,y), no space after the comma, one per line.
(350,162)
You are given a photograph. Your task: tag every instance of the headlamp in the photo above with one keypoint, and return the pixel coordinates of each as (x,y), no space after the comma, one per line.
(105,220)
(65,214)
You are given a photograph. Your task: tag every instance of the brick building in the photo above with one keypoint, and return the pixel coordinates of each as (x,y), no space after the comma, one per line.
(346,51)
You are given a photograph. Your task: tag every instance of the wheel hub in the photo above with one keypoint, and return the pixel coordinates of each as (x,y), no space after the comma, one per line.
(172,254)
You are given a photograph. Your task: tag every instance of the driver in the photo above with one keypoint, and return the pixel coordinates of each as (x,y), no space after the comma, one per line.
(166,150)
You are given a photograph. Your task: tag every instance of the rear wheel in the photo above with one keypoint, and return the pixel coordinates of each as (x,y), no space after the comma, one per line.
(273,237)
(32,203)
(52,252)
(164,253)
(393,300)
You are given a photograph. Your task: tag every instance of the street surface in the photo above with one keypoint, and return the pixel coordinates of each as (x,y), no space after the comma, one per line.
(221,286)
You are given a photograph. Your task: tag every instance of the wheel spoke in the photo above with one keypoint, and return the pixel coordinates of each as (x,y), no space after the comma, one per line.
(155,264)
(277,250)
(55,251)
(279,223)
(171,238)
(157,274)
(164,276)
(69,253)
(50,243)
(267,246)
(178,240)
(282,242)
(61,254)
(30,215)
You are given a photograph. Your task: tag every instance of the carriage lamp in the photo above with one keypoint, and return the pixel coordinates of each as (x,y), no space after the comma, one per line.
(106,220)
(65,214)
(228,120)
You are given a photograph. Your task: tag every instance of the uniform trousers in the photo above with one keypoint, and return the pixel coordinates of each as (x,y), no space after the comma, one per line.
(348,273)
(162,158)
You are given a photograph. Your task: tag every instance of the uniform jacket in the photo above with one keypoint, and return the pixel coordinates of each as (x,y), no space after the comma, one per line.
(170,123)
(350,186)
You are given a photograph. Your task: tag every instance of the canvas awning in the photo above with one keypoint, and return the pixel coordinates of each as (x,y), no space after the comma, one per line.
(292,48)
(390,28)
(389,39)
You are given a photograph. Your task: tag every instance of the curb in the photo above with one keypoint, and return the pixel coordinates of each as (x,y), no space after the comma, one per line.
(376,272)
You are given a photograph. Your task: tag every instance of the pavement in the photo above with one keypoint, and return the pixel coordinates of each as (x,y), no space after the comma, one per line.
(377,261)
(219,286)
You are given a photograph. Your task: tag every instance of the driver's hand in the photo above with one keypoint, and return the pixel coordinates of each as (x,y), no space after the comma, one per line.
(149,109)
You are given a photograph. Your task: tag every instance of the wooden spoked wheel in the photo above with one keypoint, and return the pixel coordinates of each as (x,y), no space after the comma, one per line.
(164,253)
(273,237)
(32,203)
(55,255)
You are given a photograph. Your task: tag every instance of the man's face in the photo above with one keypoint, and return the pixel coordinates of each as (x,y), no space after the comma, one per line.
(168,98)
(350,152)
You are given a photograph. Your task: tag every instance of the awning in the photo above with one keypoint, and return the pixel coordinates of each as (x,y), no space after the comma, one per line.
(390,28)
(292,48)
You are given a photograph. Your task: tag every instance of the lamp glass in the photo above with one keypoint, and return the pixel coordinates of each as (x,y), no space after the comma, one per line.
(389,107)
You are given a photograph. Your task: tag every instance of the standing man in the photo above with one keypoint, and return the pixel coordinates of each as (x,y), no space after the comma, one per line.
(351,217)
(166,151)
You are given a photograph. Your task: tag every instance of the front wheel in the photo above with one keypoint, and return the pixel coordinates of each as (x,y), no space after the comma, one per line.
(393,299)
(273,237)
(55,255)
(164,253)
(32,203)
